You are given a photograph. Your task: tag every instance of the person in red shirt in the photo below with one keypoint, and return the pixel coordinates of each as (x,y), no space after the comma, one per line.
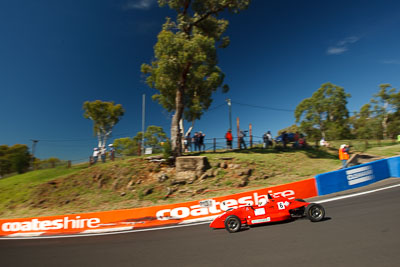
(229,138)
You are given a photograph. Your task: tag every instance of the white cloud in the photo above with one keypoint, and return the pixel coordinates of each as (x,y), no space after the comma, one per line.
(348,40)
(391,62)
(336,50)
(139,4)
(342,46)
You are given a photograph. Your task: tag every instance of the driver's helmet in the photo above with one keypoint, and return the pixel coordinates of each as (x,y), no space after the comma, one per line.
(262,202)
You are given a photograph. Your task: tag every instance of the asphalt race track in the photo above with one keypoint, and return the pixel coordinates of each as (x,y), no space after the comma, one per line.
(360,231)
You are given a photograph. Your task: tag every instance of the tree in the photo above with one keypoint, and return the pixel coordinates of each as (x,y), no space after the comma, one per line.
(291,129)
(52,161)
(394,118)
(394,125)
(5,162)
(104,116)
(381,117)
(5,166)
(385,102)
(20,158)
(365,126)
(185,70)
(125,146)
(325,114)
(14,159)
(153,137)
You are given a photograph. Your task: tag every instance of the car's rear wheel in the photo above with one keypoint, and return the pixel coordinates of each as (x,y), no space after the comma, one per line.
(315,212)
(232,224)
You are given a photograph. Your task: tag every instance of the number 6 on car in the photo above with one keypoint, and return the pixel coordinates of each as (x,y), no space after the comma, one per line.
(281,205)
(274,209)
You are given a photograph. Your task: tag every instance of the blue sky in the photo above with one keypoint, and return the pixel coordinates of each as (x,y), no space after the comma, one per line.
(54,55)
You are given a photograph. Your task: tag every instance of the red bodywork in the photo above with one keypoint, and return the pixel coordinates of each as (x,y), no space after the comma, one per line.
(277,209)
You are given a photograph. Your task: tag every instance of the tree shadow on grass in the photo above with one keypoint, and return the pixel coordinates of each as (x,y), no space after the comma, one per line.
(320,153)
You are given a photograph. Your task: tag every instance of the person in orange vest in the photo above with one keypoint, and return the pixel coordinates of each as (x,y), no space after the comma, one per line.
(229,138)
(344,155)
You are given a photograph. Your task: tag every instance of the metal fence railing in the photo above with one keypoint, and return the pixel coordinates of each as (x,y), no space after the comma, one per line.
(214,144)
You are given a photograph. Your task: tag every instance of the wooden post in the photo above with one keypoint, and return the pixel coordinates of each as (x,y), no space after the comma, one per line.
(238,131)
(69,164)
(251,135)
(215,144)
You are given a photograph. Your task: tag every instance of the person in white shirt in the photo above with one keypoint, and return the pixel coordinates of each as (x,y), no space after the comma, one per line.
(95,154)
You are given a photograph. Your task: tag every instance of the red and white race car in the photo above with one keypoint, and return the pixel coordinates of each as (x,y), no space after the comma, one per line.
(275,209)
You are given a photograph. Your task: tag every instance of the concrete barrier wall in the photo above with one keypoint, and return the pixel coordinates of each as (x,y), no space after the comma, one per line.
(357,176)
(394,166)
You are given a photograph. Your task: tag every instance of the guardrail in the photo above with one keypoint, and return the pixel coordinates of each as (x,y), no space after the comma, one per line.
(213,144)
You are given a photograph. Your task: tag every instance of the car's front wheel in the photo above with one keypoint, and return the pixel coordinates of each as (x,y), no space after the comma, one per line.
(232,224)
(315,212)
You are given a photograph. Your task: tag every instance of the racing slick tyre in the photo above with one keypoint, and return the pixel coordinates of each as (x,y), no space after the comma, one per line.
(315,212)
(232,224)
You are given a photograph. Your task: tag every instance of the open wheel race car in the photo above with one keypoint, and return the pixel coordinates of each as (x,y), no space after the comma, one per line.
(275,209)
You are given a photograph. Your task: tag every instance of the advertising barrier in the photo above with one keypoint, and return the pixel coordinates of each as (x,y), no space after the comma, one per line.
(180,213)
(353,177)
(394,166)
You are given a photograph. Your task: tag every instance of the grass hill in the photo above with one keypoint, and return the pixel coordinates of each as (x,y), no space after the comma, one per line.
(135,182)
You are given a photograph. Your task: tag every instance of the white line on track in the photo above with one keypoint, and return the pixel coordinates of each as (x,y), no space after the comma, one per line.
(26,234)
(100,234)
(116,229)
(183,225)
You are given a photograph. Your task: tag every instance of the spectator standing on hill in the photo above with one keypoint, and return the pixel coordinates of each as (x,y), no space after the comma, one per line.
(265,140)
(242,134)
(296,140)
(188,141)
(196,141)
(103,154)
(185,147)
(112,152)
(202,146)
(229,138)
(284,139)
(302,141)
(95,154)
(344,154)
(269,135)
